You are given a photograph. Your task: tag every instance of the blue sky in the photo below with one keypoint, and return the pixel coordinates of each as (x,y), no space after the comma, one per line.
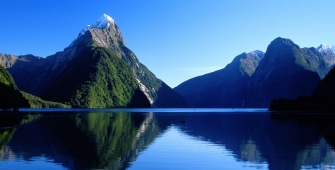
(175,39)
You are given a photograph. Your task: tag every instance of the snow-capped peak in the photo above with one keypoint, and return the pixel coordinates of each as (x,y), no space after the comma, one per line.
(103,22)
(325,48)
(333,48)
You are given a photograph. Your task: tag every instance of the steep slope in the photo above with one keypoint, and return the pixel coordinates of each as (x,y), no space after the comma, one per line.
(10,96)
(322,99)
(223,88)
(38,75)
(24,70)
(106,82)
(326,87)
(106,33)
(287,71)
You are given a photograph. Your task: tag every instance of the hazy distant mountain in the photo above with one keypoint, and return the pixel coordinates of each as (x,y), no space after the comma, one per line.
(93,64)
(251,80)
(223,88)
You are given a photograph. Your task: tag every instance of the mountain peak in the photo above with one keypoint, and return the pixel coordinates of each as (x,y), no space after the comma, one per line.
(103,22)
(256,53)
(325,49)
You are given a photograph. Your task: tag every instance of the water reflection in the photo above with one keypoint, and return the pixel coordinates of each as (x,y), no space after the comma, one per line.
(250,152)
(81,141)
(120,140)
(258,138)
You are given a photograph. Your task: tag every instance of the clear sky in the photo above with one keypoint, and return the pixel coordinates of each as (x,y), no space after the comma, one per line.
(175,39)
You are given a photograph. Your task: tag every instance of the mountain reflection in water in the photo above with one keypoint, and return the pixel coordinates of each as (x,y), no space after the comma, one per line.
(168,140)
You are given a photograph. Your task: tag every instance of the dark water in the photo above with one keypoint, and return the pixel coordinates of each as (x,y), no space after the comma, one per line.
(166,139)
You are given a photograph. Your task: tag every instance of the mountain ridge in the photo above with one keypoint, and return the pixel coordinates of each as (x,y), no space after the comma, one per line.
(40,75)
(285,70)
(212,89)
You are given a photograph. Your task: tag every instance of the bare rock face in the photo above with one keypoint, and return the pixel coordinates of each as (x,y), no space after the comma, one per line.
(7,60)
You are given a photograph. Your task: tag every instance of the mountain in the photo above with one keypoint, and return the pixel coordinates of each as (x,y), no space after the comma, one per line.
(254,79)
(222,88)
(106,82)
(322,99)
(10,96)
(81,69)
(326,86)
(287,71)
(333,48)
(328,52)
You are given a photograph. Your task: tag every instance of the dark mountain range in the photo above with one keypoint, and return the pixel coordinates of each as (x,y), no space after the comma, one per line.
(95,68)
(286,71)
(12,98)
(222,88)
(326,87)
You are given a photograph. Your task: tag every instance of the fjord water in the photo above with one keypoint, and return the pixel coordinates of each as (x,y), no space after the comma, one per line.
(166,139)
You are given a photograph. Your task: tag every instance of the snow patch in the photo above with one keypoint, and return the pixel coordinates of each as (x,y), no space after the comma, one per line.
(325,49)
(333,48)
(103,22)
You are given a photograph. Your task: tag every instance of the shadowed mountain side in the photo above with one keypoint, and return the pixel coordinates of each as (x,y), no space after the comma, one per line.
(326,87)
(287,71)
(251,80)
(10,96)
(22,68)
(223,88)
(322,99)
(157,91)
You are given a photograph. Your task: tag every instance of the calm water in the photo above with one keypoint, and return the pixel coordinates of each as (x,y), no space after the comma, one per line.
(166,139)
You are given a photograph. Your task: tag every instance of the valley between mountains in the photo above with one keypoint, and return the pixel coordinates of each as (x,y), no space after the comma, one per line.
(97,70)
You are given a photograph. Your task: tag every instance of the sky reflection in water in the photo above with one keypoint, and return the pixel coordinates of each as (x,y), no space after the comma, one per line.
(176,150)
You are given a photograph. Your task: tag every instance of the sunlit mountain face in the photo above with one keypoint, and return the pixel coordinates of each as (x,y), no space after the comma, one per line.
(96,70)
